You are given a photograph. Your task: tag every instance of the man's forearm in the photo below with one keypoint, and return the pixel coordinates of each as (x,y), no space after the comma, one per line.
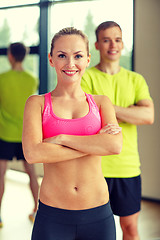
(135,114)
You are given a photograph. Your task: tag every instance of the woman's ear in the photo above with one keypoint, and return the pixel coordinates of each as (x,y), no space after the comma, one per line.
(50,60)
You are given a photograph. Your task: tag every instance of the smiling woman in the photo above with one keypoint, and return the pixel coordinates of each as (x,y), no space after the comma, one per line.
(72,58)
(65,136)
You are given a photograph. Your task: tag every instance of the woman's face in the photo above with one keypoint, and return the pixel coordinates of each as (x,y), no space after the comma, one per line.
(69,57)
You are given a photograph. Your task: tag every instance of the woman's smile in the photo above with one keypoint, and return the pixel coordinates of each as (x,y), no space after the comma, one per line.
(70,72)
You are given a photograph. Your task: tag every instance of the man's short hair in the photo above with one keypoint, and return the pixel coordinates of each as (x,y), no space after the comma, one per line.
(18,51)
(106,25)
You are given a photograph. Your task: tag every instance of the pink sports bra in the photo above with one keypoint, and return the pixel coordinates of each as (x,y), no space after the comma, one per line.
(53,125)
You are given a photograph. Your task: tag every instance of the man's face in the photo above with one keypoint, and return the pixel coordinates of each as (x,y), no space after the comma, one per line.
(110,44)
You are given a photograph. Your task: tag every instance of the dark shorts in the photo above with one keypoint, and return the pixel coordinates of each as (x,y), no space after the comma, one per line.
(59,224)
(9,150)
(125,195)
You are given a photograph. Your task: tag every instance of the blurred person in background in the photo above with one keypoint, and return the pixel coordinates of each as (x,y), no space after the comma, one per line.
(16,85)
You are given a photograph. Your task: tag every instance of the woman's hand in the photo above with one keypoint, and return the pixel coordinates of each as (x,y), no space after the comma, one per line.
(111,129)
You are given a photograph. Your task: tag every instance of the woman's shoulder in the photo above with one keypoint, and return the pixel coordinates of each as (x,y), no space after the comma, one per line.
(101,99)
(34,105)
(35,100)
(35,97)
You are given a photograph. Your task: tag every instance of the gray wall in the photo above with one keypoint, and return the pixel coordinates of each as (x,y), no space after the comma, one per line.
(147,62)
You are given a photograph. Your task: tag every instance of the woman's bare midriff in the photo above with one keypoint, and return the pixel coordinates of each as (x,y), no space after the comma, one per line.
(75,185)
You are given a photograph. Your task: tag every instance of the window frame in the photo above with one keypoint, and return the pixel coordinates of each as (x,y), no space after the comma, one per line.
(44,28)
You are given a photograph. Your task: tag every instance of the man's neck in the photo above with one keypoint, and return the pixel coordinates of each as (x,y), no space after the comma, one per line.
(110,68)
(17,66)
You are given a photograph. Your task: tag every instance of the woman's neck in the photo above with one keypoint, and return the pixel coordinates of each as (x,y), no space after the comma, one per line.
(69,91)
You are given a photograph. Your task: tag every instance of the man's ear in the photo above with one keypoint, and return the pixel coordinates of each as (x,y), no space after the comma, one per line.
(96,45)
(50,60)
(10,57)
(88,60)
(122,45)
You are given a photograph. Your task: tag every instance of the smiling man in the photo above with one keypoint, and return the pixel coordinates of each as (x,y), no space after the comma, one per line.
(133,105)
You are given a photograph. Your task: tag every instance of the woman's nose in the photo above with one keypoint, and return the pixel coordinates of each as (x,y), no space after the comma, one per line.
(70,62)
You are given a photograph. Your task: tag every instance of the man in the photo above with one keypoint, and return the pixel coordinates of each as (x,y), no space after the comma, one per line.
(16,86)
(130,96)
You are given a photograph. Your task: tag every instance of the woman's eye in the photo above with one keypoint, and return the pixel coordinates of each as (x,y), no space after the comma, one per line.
(78,56)
(61,56)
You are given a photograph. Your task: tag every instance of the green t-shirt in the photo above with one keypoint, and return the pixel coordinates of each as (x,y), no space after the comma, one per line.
(124,89)
(15,88)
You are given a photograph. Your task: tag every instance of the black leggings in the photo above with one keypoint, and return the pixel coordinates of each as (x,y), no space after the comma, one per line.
(59,224)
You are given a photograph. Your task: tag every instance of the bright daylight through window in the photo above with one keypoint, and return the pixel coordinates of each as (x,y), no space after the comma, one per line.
(22,24)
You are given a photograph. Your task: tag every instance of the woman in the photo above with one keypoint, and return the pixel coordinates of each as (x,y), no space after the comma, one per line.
(69,133)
